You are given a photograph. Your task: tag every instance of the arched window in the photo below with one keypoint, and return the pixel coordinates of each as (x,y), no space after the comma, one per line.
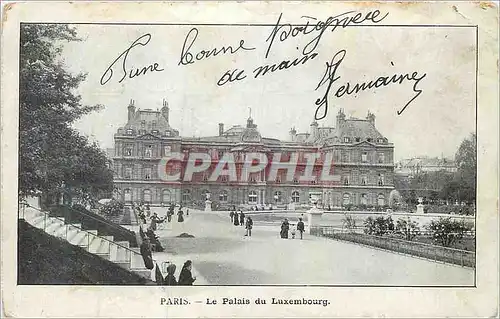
(277,197)
(252,197)
(364,199)
(186,195)
(147,196)
(346,199)
(381,199)
(295,196)
(127,195)
(166,196)
(223,196)
(346,180)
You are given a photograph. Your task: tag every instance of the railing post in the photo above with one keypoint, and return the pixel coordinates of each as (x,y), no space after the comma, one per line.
(461,259)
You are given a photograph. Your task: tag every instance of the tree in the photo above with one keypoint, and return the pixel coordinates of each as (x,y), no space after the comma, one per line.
(51,152)
(467,165)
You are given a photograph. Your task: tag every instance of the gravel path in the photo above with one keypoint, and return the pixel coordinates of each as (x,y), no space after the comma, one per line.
(224,256)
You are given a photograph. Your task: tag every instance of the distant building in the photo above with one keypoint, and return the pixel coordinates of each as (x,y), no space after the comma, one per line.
(413,166)
(362,157)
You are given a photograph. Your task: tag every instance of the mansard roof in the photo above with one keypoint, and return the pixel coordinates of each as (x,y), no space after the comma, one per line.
(354,128)
(148,120)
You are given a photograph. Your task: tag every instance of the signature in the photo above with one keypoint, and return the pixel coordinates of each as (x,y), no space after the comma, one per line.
(343,20)
(347,89)
(187,57)
(130,72)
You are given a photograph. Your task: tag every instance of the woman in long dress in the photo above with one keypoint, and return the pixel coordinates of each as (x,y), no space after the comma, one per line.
(170,277)
(180,217)
(185,277)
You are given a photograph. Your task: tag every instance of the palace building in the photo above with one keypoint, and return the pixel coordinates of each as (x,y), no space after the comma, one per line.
(362,161)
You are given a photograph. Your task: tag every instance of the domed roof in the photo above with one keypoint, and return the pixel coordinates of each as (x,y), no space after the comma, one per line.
(251,135)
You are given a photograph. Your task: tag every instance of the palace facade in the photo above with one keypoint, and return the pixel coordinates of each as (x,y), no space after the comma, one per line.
(362,162)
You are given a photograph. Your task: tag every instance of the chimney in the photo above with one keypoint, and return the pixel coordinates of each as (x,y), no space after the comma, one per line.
(314,129)
(293,134)
(165,109)
(131,109)
(371,118)
(221,129)
(340,118)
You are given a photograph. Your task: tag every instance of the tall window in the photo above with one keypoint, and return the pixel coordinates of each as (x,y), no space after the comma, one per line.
(127,174)
(381,199)
(147,173)
(381,158)
(364,157)
(148,152)
(166,196)
(295,197)
(186,195)
(223,196)
(167,149)
(127,195)
(277,197)
(252,197)
(147,196)
(364,199)
(363,180)
(346,180)
(380,179)
(143,123)
(127,151)
(346,199)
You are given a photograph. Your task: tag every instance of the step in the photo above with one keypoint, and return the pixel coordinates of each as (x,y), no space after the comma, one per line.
(80,239)
(39,220)
(54,226)
(136,261)
(122,255)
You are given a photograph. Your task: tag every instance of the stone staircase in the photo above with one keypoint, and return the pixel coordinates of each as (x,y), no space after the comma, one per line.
(119,252)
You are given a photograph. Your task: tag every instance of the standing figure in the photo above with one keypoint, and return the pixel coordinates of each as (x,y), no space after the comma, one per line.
(284,229)
(300,227)
(155,220)
(185,277)
(170,277)
(180,215)
(235,219)
(248,226)
(231,214)
(147,254)
(242,218)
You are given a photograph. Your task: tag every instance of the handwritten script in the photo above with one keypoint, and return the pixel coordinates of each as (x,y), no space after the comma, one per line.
(312,29)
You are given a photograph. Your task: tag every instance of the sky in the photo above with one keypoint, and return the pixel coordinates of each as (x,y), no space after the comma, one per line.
(434,124)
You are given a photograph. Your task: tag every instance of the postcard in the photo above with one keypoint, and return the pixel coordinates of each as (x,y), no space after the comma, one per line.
(250,159)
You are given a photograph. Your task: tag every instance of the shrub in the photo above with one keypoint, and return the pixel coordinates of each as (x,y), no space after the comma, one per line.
(348,222)
(112,209)
(407,229)
(378,226)
(446,231)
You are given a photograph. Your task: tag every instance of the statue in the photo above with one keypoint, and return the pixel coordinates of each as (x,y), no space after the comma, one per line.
(208,202)
(420,206)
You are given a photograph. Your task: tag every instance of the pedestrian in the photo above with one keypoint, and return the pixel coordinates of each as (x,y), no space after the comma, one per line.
(300,227)
(248,226)
(242,218)
(147,254)
(284,228)
(170,277)
(231,215)
(180,217)
(236,220)
(155,220)
(185,277)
